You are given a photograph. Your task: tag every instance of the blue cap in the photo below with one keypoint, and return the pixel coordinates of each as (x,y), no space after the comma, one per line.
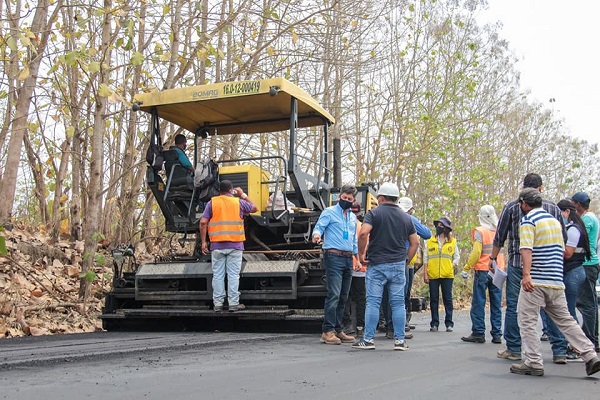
(582,198)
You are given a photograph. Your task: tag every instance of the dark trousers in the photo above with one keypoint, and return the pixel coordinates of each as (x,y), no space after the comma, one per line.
(358,296)
(410,276)
(434,300)
(587,303)
(338,275)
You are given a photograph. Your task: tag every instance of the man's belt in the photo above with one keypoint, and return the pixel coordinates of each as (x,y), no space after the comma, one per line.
(338,252)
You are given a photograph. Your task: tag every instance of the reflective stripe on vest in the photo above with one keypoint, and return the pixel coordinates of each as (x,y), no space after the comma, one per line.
(226,224)
(487,240)
(440,263)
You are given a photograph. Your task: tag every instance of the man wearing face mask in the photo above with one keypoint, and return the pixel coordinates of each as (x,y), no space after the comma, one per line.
(336,228)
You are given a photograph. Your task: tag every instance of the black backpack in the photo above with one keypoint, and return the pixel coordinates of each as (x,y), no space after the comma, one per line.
(154,155)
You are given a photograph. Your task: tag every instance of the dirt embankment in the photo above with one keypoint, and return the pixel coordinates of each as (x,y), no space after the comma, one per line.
(39,286)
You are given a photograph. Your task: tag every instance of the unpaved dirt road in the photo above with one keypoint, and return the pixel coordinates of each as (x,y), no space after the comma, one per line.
(213,365)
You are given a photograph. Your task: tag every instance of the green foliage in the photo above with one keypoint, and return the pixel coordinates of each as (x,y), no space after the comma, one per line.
(100,259)
(3,250)
(89,276)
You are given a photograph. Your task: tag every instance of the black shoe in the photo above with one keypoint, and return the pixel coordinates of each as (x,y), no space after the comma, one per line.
(592,366)
(497,340)
(544,337)
(433,329)
(364,345)
(400,345)
(218,308)
(473,339)
(408,335)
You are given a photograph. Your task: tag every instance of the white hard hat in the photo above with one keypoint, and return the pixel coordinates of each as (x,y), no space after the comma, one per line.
(405,203)
(388,189)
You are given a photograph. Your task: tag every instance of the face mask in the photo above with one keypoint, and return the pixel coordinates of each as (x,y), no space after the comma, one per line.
(439,230)
(565,220)
(345,204)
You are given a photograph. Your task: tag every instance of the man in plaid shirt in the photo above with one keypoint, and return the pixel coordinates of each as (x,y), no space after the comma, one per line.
(508,227)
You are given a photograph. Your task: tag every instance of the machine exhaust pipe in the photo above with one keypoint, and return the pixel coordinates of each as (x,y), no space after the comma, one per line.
(337,162)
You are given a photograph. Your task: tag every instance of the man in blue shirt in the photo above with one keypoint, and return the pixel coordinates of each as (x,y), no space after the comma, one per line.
(337,226)
(180,147)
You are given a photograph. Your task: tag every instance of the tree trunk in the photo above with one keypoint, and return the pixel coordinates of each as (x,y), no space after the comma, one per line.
(94,208)
(40,26)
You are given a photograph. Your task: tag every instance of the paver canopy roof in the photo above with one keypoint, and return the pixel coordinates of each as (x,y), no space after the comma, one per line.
(235,107)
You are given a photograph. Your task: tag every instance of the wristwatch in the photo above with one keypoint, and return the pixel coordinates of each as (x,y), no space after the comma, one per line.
(493,258)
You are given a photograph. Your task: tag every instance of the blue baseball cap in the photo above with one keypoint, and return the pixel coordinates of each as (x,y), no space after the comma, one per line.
(582,198)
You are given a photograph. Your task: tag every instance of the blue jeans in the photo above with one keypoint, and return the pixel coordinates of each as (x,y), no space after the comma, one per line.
(387,310)
(587,303)
(434,300)
(378,276)
(512,334)
(544,318)
(482,284)
(230,261)
(573,281)
(338,274)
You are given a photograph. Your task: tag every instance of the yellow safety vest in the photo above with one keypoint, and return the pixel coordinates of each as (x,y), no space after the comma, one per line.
(226,224)
(439,264)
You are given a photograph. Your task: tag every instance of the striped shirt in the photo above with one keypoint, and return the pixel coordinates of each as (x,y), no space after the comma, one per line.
(508,227)
(542,233)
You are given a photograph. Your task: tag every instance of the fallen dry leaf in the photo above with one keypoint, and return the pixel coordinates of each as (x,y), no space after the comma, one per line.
(35,331)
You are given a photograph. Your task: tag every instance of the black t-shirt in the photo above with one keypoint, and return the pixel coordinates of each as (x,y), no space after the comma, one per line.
(391,228)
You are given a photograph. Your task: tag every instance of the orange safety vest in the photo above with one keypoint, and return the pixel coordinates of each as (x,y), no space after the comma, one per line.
(487,242)
(226,224)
